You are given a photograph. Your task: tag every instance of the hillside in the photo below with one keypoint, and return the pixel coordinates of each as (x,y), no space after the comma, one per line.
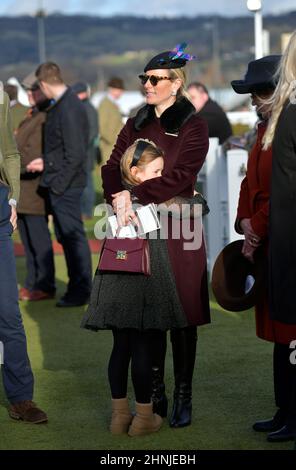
(93,48)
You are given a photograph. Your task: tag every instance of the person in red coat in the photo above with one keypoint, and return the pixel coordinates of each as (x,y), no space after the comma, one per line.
(253,221)
(170,120)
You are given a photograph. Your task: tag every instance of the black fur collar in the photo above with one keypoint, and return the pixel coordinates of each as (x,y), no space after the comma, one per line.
(172,119)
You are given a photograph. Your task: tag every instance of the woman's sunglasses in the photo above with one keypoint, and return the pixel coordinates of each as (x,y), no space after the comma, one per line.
(154,79)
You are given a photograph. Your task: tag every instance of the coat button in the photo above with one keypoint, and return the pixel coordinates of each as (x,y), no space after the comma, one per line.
(50,163)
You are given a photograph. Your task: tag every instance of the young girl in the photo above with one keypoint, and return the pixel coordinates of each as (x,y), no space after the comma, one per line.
(137,308)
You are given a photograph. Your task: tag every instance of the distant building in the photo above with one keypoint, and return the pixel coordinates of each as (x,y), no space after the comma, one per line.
(285,38)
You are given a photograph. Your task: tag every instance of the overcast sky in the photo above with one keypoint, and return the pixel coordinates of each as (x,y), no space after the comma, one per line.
(140,7)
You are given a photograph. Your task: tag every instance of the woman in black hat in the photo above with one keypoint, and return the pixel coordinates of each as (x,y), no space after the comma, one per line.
(253,220)
(170,120)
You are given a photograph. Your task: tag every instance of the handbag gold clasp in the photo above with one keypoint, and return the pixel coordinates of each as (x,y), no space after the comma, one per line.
(121,255)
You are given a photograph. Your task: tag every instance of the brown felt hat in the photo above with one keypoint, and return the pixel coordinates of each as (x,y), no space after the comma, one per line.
(237,283)
(116,82)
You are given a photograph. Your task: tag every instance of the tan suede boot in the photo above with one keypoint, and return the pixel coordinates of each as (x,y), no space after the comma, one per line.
(121,416)
(145,421)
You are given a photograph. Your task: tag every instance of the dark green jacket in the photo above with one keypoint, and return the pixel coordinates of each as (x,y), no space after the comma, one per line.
(9,155)
(17,115)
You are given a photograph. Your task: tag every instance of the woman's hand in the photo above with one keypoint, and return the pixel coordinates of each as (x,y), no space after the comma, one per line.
(35,165)
(251,237)
(248,251)
(122,206)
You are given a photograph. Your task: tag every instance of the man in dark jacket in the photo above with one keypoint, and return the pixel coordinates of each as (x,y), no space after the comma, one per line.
(64,176)
(210,111)
(82,90)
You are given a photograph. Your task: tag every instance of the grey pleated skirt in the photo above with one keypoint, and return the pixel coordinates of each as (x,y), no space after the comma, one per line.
(124,300)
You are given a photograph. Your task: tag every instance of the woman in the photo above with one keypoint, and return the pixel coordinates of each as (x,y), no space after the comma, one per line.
(253,220)
(281,137)
(32,217)
(170,120)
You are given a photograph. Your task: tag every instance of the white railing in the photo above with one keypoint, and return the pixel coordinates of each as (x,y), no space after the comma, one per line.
(221,177)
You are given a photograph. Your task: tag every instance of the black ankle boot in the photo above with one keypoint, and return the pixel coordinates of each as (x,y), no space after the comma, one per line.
(184,350)
(159,398)
(182,408)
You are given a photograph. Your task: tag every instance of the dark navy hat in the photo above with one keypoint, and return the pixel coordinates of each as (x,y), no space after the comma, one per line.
(164,60)
(259,76)
(79,87)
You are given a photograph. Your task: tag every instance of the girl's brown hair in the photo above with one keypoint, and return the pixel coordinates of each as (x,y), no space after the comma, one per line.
(150,153)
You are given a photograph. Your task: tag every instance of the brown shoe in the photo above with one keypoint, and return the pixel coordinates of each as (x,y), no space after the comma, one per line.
(24,294)
(145,421)
(121,416)
(28,412)
(41,295)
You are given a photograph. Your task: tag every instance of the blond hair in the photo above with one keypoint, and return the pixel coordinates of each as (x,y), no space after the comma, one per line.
(286,75)
(150,153)
(181,75)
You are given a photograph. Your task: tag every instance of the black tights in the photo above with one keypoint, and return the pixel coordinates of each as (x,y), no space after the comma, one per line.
(285,381)
(131,345)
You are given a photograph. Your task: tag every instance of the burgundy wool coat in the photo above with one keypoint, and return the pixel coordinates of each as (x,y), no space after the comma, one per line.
(254,204)
(183,136)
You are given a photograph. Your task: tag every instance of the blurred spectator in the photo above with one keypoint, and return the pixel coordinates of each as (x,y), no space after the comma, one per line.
(219,125)
(17,110)
(134,110)
(88,196)
(110,119)
(64,177)
(32,217)
(245,141)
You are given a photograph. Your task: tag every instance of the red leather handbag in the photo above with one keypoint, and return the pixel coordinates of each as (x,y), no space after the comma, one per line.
(126,255)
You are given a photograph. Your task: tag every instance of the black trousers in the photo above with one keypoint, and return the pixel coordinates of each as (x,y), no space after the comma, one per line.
(66,211)
(284,373)
(133,347)
(36,239)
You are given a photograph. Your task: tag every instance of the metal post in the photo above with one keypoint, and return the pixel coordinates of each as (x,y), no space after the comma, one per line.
(266,42)
(41,34)
(258,34)
(216,52)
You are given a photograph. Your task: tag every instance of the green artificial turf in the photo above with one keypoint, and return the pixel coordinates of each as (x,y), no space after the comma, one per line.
(232,384)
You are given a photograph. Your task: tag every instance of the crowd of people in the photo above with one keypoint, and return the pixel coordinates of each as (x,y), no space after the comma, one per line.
(47,157)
